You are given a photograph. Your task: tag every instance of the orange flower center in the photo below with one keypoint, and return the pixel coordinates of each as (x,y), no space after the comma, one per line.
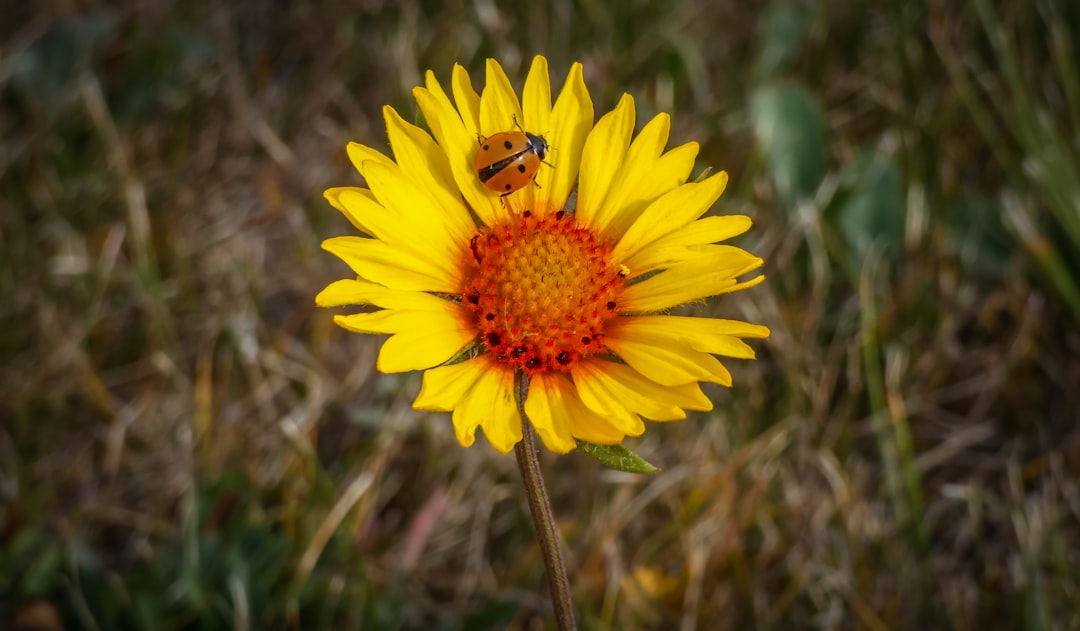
(542,289)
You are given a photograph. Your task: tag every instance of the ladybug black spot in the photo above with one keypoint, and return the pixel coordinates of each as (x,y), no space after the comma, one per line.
(507,187)
(508,144)
(486,147)
(521,168)
(493,339)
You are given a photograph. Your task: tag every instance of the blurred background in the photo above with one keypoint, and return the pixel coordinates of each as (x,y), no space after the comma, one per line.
(186,442)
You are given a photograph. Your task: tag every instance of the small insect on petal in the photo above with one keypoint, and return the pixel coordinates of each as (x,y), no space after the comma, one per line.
(508,161)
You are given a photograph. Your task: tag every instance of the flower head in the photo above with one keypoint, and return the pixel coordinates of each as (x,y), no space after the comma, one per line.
(562,284)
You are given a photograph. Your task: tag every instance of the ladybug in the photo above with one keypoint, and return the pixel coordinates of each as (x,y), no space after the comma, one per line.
(509,160)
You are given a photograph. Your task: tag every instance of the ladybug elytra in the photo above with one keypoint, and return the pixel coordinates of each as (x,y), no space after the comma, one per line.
(508,161)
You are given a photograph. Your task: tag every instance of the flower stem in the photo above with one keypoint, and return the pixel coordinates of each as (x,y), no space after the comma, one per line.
(529,464)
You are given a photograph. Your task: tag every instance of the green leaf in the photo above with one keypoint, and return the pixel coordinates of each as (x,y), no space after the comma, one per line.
(469,351)
(977,237)
(874,209)
(48,69)
(783,31)
(45,571)
(617,457)
(790,128)
(493,615)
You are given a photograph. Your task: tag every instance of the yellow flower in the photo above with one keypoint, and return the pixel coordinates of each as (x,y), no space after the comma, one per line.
(564,293)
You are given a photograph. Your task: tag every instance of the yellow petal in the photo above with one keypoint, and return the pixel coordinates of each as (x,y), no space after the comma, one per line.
(536,97)
(622,386)
(571,122)
(644,178)
(549,408)
(641,157)
(712,229)
(442,110)
(499,106)
(559,416)
(419,339)
(444,387)
(459,140)
(491,405)
(481,394)
(466,99)
(342,292)
(709,335)
(606,385)
(686,243)
(376,261)
(670,212)
(536,110)
(419,229)
(444,223)
(359,154)
(423,162)
(362,292)
(602,157)
(663,357)
(691,280)
(332,195)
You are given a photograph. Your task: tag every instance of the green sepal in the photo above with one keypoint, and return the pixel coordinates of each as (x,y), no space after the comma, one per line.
(617,457)
(469,351)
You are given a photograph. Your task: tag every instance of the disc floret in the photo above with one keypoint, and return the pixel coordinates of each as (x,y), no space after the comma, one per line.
(542,290)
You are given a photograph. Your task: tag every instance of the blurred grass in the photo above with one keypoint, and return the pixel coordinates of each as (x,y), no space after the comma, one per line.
(185,442)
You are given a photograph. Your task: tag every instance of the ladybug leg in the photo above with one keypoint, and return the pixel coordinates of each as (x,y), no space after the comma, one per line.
(545,161)
(480,139)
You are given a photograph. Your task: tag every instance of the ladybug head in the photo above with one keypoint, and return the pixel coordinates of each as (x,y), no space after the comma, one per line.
(538,144)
